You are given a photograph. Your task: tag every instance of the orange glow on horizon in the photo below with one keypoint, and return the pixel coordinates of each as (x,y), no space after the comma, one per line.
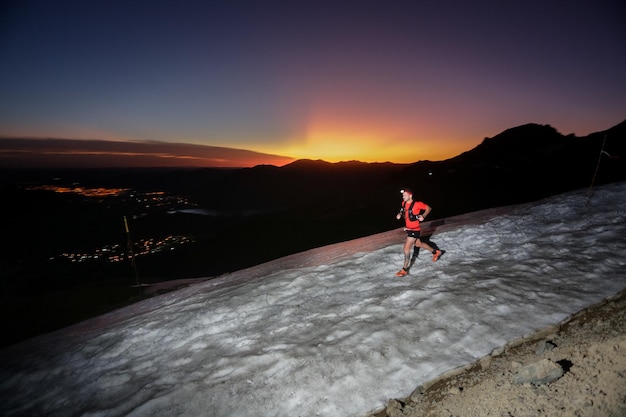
(338,148)
(337,142)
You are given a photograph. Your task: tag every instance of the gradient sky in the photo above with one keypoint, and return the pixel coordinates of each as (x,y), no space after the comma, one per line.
(397,81)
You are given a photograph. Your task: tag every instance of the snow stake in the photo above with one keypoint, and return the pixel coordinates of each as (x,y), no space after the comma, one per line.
(593,179)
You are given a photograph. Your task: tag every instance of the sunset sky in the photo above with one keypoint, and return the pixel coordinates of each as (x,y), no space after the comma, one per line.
(397,81)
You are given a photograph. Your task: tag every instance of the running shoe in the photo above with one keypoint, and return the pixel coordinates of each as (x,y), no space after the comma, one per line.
(436,255)
(402,272)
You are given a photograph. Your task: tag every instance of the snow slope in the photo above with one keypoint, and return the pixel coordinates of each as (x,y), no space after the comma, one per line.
(331,331)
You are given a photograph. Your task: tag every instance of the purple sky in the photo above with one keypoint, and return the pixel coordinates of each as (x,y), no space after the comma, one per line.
(396,81)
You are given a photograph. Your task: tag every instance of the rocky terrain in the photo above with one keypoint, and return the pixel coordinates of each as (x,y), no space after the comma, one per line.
(574,369)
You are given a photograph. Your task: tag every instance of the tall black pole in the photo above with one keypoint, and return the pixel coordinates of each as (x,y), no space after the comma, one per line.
(593,180)
(131,254)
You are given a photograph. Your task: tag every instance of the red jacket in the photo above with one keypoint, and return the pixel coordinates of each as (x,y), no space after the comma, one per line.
(418,208)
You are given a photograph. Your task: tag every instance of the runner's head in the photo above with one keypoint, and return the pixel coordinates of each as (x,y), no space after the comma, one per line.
(407,194)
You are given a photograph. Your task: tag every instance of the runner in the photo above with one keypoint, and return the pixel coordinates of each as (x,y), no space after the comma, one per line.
(414,212)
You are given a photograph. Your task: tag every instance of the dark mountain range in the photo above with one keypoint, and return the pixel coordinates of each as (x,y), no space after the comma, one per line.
(521,164)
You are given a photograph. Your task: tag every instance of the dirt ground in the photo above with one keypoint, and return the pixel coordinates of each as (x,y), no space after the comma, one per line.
(574,369)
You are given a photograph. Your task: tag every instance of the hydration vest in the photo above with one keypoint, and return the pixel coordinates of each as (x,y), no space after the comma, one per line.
(413,216)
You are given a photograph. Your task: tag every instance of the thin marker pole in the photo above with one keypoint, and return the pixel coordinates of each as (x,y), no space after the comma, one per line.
(593,180)
(132,255)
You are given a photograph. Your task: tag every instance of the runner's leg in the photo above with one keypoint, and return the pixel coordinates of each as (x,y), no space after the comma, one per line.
(408,244)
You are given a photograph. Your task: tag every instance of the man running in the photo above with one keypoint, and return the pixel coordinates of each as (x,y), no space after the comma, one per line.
(414,212)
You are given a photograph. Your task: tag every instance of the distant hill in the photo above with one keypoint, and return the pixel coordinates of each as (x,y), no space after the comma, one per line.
(520,164)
